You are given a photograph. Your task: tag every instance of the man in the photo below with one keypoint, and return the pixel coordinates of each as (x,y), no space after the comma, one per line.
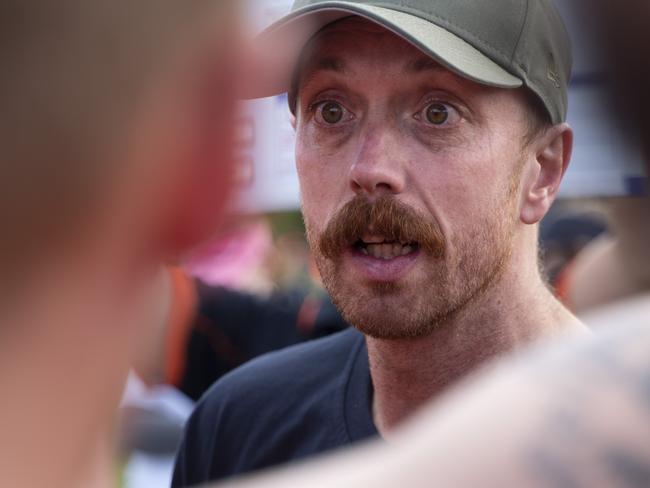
(430,142)
(114,136)
(573,413)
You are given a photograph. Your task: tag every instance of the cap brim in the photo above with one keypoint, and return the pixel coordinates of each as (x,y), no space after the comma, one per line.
(277,49)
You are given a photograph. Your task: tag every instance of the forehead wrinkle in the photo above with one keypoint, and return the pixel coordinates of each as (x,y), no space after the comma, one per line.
(321,60)
(353,27)
(424,64)
(318,65)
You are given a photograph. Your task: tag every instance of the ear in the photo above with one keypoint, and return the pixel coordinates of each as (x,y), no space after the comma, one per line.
(551,153)
(292,121)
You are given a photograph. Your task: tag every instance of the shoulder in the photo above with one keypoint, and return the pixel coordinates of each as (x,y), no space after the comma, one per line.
(291,369)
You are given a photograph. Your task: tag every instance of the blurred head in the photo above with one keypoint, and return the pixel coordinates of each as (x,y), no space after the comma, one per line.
(115,146)
(115,128)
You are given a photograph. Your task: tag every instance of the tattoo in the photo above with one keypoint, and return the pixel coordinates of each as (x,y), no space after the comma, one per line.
(552,469)
(628,468)
(596,405)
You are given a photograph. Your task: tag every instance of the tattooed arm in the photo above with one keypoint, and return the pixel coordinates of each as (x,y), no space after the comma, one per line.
(592,426)
(570,415)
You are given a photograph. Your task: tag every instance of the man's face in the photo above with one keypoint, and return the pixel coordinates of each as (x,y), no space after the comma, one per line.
(409,177)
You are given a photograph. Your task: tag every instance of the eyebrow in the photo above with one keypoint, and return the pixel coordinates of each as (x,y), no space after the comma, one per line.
(336,65)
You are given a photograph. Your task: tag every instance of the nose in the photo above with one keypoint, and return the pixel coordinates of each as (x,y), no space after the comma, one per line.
(379,167)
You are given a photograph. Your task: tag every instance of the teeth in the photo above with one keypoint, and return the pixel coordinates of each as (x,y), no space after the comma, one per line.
(375,250)
(386,251)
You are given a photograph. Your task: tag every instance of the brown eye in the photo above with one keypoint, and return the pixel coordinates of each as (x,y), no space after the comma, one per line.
(332,112)
(437,113)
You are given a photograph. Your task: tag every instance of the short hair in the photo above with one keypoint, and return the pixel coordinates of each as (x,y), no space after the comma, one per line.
(538,119)
(72,72)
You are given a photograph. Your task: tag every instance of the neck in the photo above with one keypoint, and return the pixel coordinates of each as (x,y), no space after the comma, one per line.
(515,311)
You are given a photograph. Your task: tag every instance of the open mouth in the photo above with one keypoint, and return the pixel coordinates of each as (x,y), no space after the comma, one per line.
(385,249)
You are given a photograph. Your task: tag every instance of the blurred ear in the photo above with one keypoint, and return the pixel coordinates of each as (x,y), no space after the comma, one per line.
(204,180)
(550,155)
(292,121)
(201,183)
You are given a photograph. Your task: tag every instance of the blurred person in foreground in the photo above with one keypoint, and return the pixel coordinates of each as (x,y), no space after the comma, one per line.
(115,136)
(575,413)
(431,140)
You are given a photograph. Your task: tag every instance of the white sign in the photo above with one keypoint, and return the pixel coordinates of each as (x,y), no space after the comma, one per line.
(268,172)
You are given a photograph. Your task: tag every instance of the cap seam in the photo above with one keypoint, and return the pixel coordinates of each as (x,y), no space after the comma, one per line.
(521,33)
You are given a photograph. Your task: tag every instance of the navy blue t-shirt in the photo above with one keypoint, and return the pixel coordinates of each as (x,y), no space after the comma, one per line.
(283,406)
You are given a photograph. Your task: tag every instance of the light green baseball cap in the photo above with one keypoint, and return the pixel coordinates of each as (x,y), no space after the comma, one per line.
(501,43)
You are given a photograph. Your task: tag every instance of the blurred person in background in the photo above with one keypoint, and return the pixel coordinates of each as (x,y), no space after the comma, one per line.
(115,136)
(245,292)
(570,226)
(421,194)
(615,265)
(569,414)
(210,330)
(236,297)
